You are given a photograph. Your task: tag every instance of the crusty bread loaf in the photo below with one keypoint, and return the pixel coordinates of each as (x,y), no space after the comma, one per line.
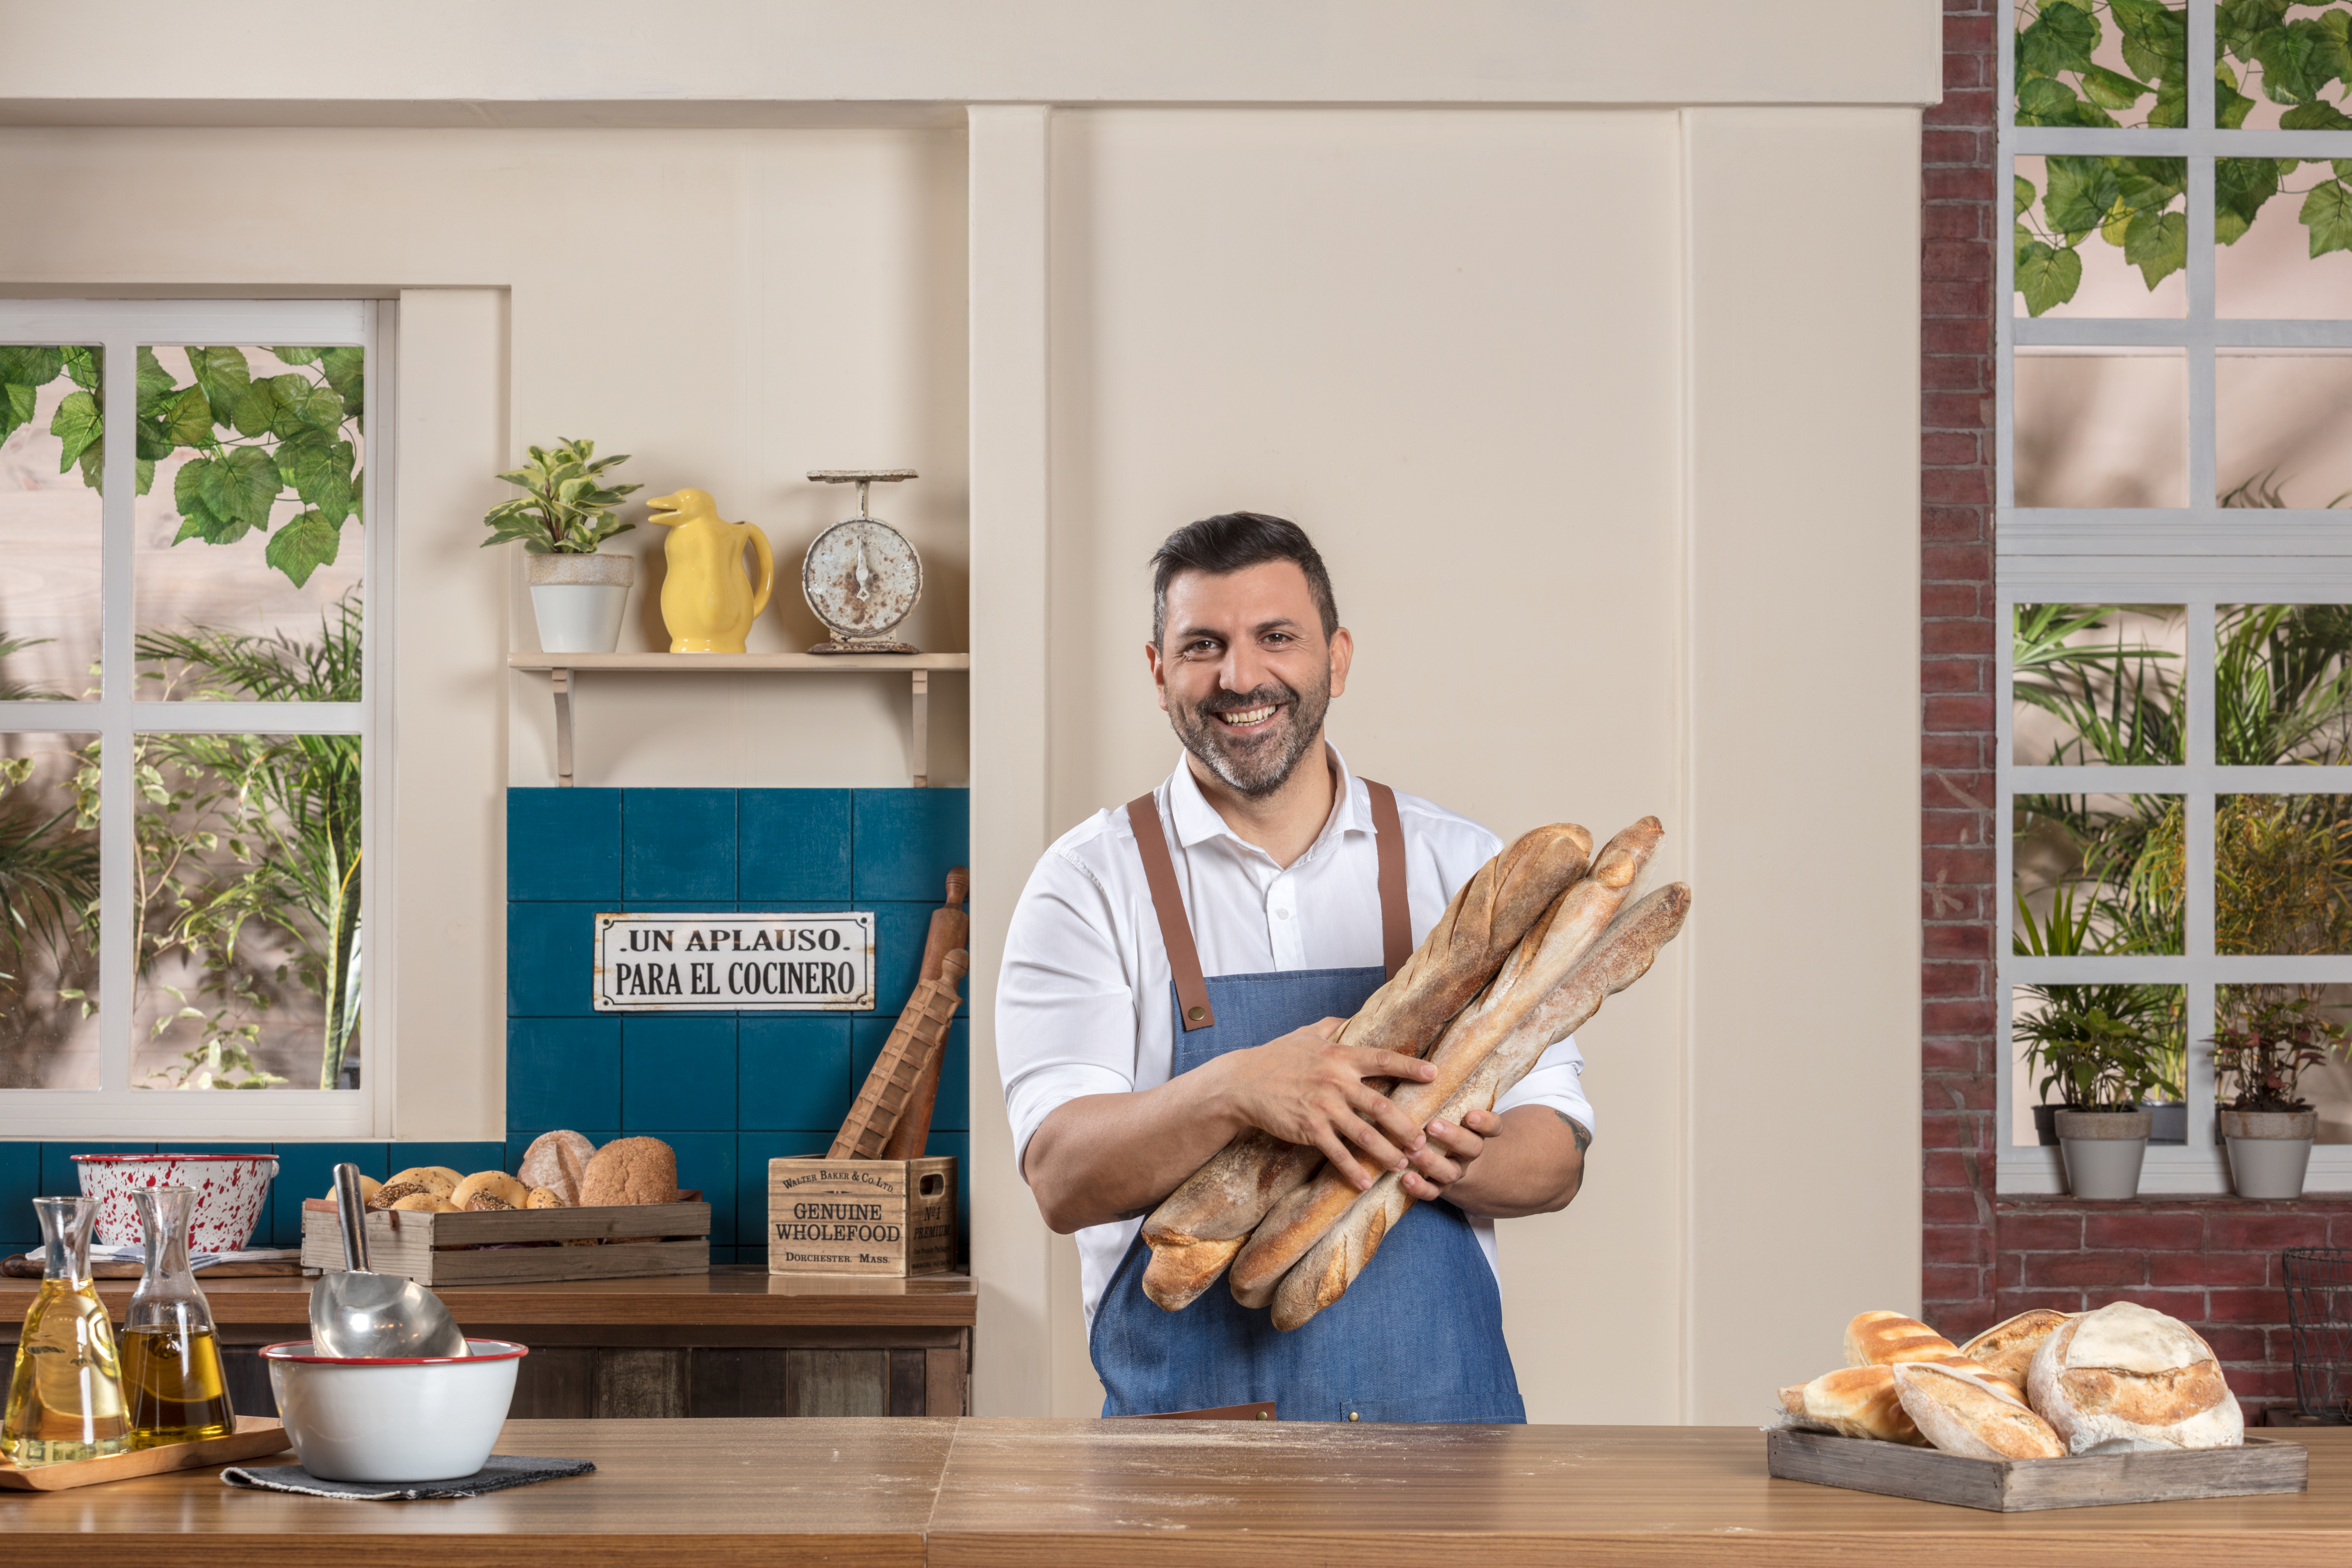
(557,1161)
(629,1170)
(1198,1228)
(1964,1409)
(1882,1339)
(2007,1349)
(1339,1254)
(1854,1402)
(2125,1378)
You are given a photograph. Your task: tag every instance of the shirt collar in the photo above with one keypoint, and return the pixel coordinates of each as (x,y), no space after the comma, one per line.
(1196,820)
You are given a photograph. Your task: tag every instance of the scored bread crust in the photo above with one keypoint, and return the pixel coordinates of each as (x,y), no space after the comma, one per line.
(1337,1256)
(1964,1409)
(2006,1350)
(1882,1339)
(557,1161)
(1196,1230)
(2125,1378)
(1854,1402)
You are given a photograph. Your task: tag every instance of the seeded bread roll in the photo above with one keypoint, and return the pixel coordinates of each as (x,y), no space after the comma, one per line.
(486,1203)
(1882,1339)
(1966,1410)
(390,1194)
(557,1161)
(2006,1350)
(417,1203)
(493,1184)
(2125,1378)
(1197,1229)
(438,1180)
(545,1198)
(630,1171)
(1854,1402)
(368,1186)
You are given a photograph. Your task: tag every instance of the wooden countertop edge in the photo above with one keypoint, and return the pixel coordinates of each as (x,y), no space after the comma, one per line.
(1643,1549)
(396,1548)
(674,1311)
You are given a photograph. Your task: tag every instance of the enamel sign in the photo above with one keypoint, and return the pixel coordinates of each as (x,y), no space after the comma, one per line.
(730,963)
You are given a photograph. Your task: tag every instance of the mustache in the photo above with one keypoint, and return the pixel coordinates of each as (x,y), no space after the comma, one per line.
(1241,701)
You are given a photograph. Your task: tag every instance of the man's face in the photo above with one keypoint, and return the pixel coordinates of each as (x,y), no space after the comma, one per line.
(1245,673)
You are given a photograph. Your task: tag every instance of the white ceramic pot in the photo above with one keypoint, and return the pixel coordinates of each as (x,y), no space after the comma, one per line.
(433,1418)
(2269,1151)
(231,1192)
(2104,1151)
(579,600)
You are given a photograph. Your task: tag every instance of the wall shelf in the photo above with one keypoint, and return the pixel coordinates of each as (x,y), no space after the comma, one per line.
(563,668)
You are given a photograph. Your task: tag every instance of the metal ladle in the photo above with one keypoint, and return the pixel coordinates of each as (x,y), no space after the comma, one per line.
(363,1315)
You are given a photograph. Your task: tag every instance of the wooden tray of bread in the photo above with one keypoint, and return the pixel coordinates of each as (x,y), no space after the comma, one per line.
(2046,1410)
(255,1437)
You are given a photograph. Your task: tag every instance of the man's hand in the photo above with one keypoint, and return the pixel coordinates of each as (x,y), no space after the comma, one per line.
(1304,1089)
(1446,1159)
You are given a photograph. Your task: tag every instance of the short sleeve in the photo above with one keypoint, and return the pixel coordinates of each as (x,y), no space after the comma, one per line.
(1556,1081)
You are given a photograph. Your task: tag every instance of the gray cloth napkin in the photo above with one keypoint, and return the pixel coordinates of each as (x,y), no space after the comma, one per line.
(504,1470)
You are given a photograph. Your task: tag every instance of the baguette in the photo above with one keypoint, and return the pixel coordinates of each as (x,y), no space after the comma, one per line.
(1882,1339)
(1623,955)
(1966,1410)
(1854,1402)
(1533,973)
(1199,1227)
(2007,1348)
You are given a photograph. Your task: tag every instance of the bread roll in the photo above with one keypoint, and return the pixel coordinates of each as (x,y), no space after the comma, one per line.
(545,1198)
(2007,1348)
(486,1203)
(492,1184)
(557,1161)
(438,1180)
(417,1203)
(1882,1339)
(1199,1227)
(390,1194)
(630,1171)
(368,1186)
(2125,1378)
(1964,1409)
(1854,1402)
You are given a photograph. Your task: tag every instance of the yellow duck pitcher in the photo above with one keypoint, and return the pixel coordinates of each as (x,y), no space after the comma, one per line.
(707,602)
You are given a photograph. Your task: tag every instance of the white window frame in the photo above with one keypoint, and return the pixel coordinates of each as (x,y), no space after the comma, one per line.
(115,1110)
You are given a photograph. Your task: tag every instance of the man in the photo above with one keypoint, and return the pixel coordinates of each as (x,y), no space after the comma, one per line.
(1268,854)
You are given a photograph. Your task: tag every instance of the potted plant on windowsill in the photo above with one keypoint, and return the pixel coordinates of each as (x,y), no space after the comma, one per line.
(2260,1056)
(2099,1046)
(578,596)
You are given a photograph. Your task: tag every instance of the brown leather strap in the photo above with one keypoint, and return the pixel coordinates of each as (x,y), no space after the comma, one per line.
(1396,916)
(1175,931)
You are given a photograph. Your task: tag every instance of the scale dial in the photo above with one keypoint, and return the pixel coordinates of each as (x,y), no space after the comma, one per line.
(862,578)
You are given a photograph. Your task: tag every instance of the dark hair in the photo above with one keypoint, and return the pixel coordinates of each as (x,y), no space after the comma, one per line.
(1230,541)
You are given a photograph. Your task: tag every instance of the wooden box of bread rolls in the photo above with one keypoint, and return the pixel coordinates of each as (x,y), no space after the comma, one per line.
(888,1218)
(519,1246)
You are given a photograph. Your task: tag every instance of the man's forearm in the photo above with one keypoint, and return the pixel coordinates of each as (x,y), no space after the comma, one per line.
(1533,1164)
(1105,1157)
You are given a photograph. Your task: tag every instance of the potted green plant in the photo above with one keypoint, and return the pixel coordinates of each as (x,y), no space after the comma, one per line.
(2101,1047)
(565,514)
(2260,1056)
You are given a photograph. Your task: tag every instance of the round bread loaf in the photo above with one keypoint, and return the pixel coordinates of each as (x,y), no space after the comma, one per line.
(631,1171)
(389,1194)
(557,1161)
(438,1180)
(2007,1348)
(368,1185)
(1964,1409)
(2125,1378)
(1882,1339)
(495,1184)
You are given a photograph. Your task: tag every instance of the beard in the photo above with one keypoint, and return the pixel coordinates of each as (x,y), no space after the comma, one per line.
(1259,761)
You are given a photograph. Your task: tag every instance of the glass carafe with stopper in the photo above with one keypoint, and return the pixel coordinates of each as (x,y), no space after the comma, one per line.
(65,1398)
(171,1357)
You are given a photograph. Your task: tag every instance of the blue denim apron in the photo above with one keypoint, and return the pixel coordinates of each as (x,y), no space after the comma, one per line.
(1419,1336)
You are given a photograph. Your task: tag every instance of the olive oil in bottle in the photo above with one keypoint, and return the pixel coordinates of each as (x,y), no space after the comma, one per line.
(65,1396)
(171,1357)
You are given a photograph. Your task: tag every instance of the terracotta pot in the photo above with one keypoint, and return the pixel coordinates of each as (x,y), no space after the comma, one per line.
(2104,1150)
(2269,1151)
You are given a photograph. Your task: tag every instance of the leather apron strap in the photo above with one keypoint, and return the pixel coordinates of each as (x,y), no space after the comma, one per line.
(1176,931)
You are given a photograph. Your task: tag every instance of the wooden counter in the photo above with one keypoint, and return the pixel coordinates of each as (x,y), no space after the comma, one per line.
(731,1341)
(1122,1494)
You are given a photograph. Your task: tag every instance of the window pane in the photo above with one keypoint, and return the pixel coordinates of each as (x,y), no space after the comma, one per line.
(249,524)
(2095,64)
(2055,1030)
(2281,685)
(2097,874)
(2282,427)
(48,911)
(2282,229)
(2107,429)
(51,520)
(2100,236)
(2283,874)
(249,901)
(2278,72)
(2098,685)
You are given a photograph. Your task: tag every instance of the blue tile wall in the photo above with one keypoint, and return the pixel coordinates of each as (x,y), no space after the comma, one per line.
(20,1183)
(728,1090)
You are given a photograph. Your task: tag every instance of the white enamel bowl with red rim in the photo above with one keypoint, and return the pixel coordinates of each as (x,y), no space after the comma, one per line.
(427,1418)
(231,1191)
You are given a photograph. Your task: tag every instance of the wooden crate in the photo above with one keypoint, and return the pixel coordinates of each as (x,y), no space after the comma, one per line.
(886,1218)
(2016,1485)
(492,1248)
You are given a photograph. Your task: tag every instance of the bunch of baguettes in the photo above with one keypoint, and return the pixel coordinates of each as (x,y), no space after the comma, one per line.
(2042,1386)
(1527,951)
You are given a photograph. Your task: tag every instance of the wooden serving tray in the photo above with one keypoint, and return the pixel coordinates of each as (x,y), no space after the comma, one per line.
(2017,1486)
(255,1437)
(494,1248)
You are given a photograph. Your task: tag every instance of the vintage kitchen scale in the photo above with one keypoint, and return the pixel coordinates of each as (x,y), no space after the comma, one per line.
(861,577)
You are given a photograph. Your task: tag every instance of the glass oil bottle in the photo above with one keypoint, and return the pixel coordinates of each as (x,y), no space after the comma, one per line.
(171,1356)
(65,1397)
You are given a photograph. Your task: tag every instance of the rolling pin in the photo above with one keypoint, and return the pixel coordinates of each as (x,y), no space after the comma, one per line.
(951,930)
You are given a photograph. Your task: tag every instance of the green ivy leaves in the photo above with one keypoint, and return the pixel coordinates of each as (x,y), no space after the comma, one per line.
(2125,201)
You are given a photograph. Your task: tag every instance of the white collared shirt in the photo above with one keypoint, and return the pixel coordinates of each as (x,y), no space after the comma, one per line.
(1082,1006)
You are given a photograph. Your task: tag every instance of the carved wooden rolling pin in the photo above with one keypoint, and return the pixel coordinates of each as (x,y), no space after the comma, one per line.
(1196,1231)
(922,1025)
(1623,955)
(1543,960)
(950,929)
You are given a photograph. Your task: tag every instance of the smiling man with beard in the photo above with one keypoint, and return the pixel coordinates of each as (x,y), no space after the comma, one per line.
(1173,975)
